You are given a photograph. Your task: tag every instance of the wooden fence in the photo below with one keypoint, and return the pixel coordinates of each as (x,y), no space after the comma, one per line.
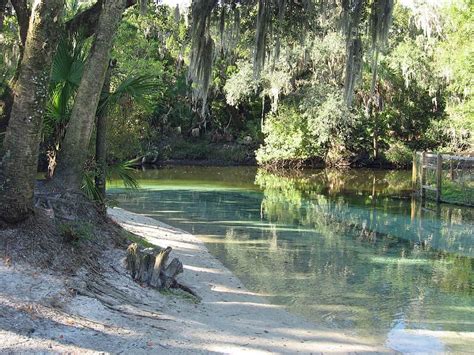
(444,177)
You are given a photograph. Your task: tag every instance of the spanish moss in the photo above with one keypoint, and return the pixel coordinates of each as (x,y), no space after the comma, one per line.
(380,21)
(202,51)
(353,11)
(263,21)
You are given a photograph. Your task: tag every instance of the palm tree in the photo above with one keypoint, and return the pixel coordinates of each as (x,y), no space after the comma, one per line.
(136,88)
(67,70)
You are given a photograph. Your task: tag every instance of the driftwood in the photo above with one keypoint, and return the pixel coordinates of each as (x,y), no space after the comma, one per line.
(149,266)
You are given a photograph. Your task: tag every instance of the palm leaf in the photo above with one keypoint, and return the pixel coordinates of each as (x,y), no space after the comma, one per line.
(68,62)
(124,171)
(89,188)
(138,88)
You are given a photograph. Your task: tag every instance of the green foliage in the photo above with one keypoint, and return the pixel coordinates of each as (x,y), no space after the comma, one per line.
(313,120)
(286,138)
(9,47)
(125,106)
(455,62)
(89,187)
(294,105)
(123,171)
(137,88)
(241,84)
(73,7)
(399,155)
(66,74)
(461,192)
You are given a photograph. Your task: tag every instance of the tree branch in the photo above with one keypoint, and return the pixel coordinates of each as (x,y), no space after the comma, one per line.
(23,16)
(87,20)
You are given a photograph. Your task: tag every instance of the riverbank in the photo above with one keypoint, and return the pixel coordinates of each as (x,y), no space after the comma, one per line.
(40,314)
(230,318)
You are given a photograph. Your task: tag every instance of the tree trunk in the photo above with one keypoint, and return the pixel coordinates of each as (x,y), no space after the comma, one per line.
(148,266)
(22,13)
(21,144)
(375,140)
(73,155)
(101,141)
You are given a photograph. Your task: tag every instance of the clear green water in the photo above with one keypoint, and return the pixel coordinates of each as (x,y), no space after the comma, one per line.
(347,249)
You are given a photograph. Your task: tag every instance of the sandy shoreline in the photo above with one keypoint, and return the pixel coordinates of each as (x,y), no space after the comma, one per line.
(234,319)
(229,319)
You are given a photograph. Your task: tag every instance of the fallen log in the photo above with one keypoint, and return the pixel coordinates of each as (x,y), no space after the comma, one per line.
(149,266)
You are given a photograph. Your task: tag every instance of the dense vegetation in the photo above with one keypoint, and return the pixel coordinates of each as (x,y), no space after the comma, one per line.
(281,83)
(421,97)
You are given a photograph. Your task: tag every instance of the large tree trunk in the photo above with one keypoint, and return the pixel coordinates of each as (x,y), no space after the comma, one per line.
(19,163)
(22,13)
(86,22)
(73,154)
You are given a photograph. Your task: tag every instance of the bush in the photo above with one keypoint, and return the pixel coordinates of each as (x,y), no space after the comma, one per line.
(286,138)
(399,154)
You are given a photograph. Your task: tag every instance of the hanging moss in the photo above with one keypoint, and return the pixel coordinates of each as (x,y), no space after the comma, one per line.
(222,27)
(352,15)
(143,6)
(202,51)
(263,21)
(176,14)
(281,7)
(380,21)
(353,68)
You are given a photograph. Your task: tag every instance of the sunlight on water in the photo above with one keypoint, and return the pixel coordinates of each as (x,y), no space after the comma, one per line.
(350,250)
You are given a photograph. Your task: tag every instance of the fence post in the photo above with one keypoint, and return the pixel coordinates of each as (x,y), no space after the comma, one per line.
(439,170)
(422,180)
(414,173)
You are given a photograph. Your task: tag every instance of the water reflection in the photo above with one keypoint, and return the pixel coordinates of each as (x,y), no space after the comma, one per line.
(349,249)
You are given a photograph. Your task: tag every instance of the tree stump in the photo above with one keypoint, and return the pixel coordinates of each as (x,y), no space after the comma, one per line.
(149,266)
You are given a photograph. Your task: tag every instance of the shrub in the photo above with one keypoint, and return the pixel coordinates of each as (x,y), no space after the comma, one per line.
(399,154)
(286,138)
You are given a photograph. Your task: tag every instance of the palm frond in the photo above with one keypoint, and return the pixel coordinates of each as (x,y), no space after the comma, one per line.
(68,62)
(89,188)
(124,171)
(138,88)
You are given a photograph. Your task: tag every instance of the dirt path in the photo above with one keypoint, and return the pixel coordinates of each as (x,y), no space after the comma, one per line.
(38,314)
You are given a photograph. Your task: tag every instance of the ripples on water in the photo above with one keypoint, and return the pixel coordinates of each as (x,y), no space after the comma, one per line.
(349,249)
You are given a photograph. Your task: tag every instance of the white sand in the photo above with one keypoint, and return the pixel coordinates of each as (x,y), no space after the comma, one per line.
(38,314)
